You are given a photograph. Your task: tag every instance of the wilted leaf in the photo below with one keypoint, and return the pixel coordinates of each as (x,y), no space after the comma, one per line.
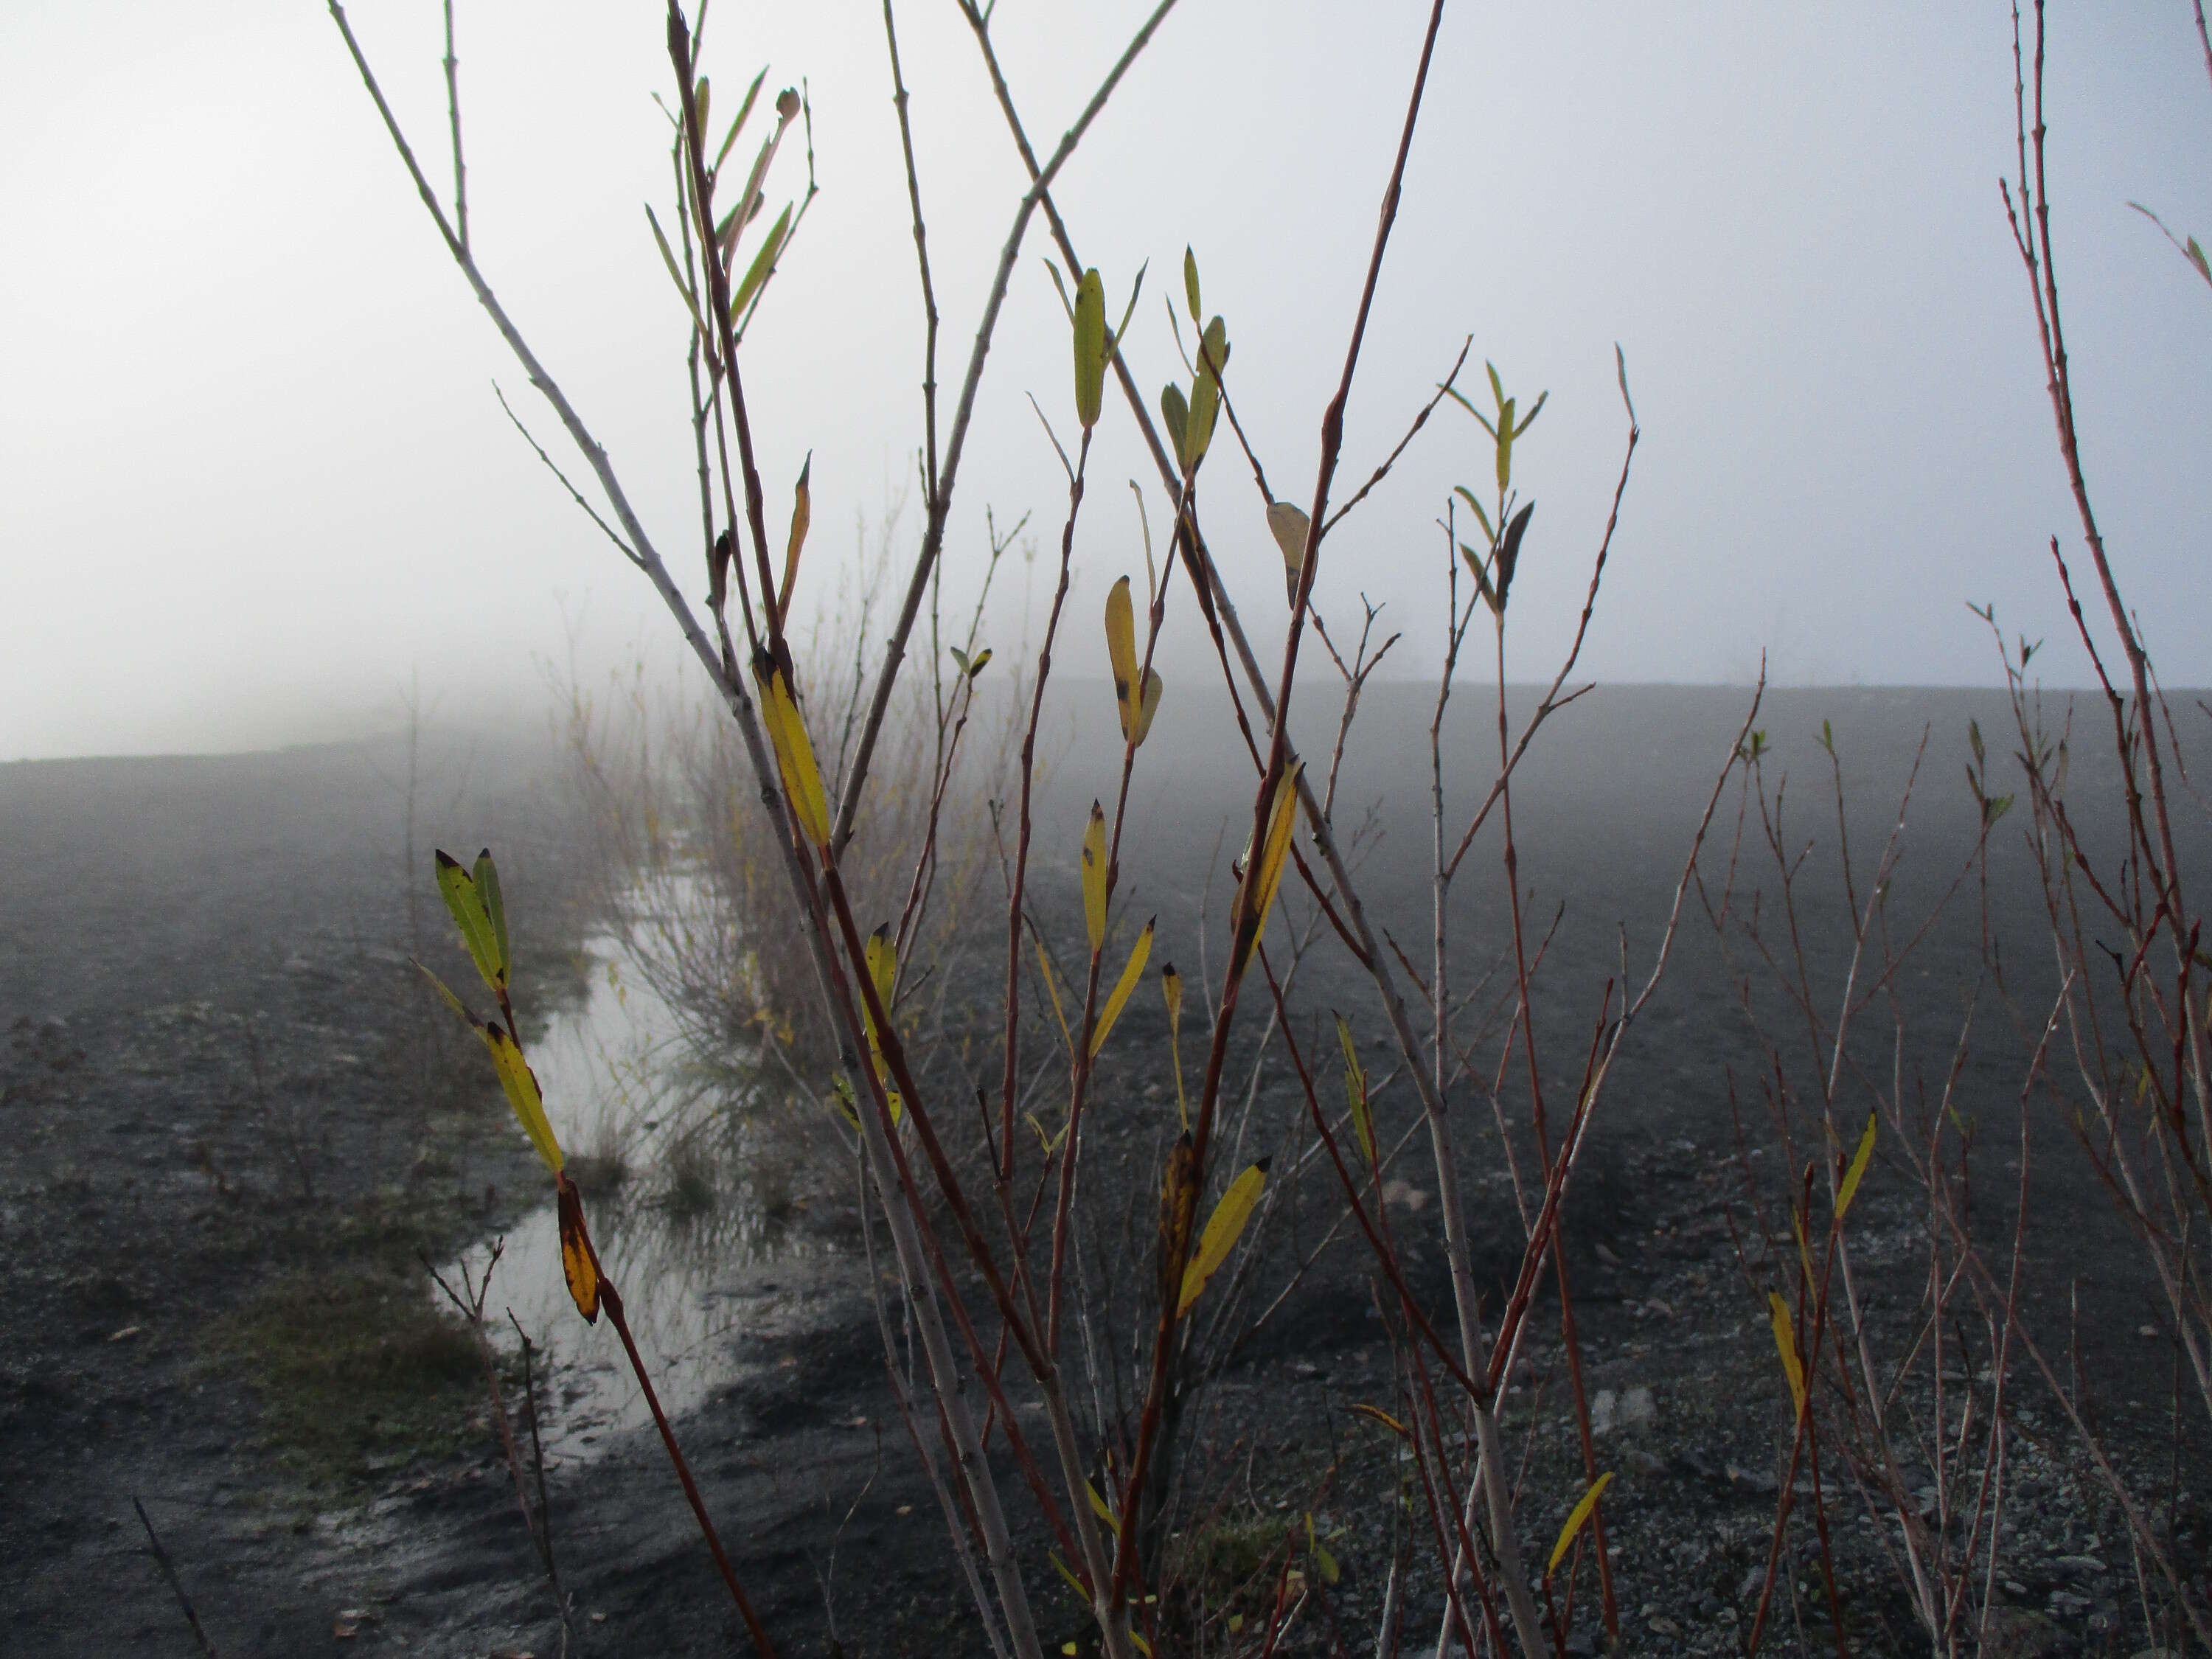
(1785,1343)
(1090,348)
(1577,1520)
(1094,877)
(1131,972)
(794,758)
(578,1265)
(802,514)
(1288,525)
(1223,1229)
(1179,1185)
(1508,552)
(1385,1419)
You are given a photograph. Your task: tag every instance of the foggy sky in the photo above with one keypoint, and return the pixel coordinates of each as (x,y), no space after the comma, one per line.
(253,478)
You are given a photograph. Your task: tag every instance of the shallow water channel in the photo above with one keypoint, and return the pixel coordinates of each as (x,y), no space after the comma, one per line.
(689,1203)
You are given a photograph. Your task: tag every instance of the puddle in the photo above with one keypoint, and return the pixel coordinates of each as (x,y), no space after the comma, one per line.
(694,1200)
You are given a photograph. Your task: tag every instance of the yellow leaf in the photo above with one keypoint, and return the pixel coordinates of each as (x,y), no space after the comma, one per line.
(1148,704)
(1257,896)
(1851,1176)
(1094,877)
(794,758)
(1052,988)
(840,1095)
(1385,1419)
(578,1265)
(1785,1343)
(802,514)
(1130,974)
(522,1093)
(1073,1582)
(1288,525)
(1121,647)
(1223,1229)
(462,897)
(1576,1521)
(882,972)
(1098,1507)
(1355,1091)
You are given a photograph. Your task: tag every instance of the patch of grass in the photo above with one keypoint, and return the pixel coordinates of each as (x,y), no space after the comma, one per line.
(692,1193)
(355,1369)
(1221,1559)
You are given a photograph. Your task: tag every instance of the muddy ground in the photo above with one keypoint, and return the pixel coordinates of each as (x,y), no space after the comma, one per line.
(231,1135)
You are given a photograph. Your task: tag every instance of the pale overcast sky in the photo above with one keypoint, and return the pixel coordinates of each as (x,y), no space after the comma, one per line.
(253,476)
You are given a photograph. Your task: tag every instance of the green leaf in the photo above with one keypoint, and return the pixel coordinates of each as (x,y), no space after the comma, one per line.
(1090,348)
(1480,517)
(1121,331)
(676,276)
(1206,393)
(1060,288)
(763,263)
(467,905)
(1131,972)
(1223,1229)
(1176,414)
(487,881)
(1190,281)
(1355,1092)
(745,110)
(2196,258)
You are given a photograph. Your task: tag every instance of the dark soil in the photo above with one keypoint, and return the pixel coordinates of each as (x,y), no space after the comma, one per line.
(232,1134)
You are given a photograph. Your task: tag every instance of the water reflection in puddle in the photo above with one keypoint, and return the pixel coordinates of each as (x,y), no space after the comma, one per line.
(690,1197)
